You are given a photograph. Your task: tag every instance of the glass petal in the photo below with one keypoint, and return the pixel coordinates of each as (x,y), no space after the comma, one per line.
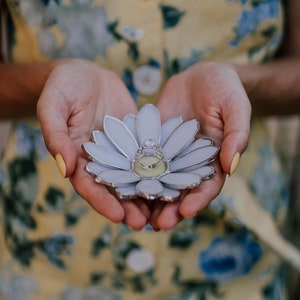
(130,121)
(120,136)
(118,178)
(182,136)
(205,172)
(168,127)
(194,159)
(126,192)
(106,157)
(101,139)
(169,195)
(181,181)
(197,144)
(149,124)
(149,188)
(95,169)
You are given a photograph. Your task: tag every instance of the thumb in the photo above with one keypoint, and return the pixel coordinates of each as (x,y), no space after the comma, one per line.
(53,120)
(236,134)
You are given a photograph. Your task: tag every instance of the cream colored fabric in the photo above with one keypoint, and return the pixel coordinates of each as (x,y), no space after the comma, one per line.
(57,247)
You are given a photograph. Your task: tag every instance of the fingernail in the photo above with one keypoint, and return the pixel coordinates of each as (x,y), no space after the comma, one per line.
(234,164)
(61,165)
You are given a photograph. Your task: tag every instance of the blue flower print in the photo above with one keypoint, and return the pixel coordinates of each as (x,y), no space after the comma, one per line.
(242,1)
(269,184)
(83,28)
(17,287)
(127,78)
(56,246)
(90,293)
(29,141)
(46,2)
(275,290)
(251,18)
(229,257)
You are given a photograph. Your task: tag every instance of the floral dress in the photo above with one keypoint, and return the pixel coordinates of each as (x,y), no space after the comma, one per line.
(54,246)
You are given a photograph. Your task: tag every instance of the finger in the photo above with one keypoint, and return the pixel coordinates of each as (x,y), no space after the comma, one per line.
(97,195)
(156,210)
(134,216)
(237,116)
(144,206)
(200,197)
(53,120)
(169,216)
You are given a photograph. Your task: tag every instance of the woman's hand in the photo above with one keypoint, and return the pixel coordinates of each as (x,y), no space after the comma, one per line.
(213,94)
(73,103)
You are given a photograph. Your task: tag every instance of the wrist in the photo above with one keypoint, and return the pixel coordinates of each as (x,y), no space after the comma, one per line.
(248,77)
(253,79)
(21,86)
(270,85)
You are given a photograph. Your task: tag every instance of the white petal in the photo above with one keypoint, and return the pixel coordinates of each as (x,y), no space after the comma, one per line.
(168,127)
(148,124)
(106,157)
(120,136)
(205,172)
(149,188)
(181,181)
(118,178)
(169,195)
(194,159)
(126,192)
(95,169)
(130,121)
(182,136)
(101,139)
(197,144)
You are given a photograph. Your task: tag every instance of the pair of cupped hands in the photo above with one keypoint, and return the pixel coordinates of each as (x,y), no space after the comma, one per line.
(77,95)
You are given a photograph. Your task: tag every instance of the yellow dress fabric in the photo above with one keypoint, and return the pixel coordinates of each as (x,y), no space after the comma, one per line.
(54,246)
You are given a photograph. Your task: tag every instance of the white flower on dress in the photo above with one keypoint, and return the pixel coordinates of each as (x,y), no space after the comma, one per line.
(147,80)
(140,260)
(139,157)
(133,34)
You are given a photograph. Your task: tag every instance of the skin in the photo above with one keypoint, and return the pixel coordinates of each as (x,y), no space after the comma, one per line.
(213,94)
(70,98)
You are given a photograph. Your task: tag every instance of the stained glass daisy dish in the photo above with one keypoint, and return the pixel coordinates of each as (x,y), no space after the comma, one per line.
(140,157)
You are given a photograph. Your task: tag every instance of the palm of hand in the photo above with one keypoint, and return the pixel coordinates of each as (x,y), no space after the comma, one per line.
(213,94)
(78,95)
(74,101)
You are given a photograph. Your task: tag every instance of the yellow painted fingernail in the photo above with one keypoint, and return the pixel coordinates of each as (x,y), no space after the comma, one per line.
(61,165)
(235,163)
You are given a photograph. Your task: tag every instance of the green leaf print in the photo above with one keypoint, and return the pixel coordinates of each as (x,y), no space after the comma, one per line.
(96,277)
(182,239)
(196,289)
(112,28)
(22,250)
(102,241)
(133,51)
(171,16)
(54,198)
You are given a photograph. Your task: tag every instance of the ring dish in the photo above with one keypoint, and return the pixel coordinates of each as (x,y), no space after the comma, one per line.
(140,157)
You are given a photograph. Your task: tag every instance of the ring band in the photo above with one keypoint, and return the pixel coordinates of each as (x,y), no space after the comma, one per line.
(149,166)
